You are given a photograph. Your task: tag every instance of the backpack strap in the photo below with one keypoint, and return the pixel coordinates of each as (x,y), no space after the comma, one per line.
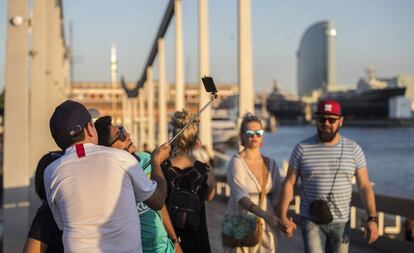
(170,173)
(197,174)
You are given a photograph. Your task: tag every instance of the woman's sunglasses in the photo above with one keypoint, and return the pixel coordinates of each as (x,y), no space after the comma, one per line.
(330,120)
(121,135)
(251,133)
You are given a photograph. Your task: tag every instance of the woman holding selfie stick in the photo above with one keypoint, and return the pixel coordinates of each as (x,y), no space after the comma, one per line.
(249,174)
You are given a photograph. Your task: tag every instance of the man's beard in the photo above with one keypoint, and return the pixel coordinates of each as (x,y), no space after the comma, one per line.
(327,136)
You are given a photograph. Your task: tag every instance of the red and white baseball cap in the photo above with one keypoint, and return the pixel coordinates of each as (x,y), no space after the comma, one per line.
(329,107)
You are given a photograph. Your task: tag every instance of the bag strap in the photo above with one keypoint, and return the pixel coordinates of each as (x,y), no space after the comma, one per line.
(336,173)
(333,182)
(329,199)
(265,174)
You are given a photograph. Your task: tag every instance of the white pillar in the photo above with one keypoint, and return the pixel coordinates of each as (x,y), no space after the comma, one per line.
(134,122)
(40,107)
(54,56)
(128,114)
(246,89)
(162,100)
(150,109)
(204,65)
(142,118)
(16,134)
(179,57)
(125,116)
(62,73)
(113,80)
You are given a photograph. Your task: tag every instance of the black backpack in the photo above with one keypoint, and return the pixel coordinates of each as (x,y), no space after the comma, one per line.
(183,202)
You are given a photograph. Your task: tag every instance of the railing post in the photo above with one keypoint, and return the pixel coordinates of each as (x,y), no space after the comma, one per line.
(396,229)
(353,217)
(297,204)
(381,223)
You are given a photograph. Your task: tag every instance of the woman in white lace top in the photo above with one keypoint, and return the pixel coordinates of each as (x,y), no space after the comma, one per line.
(245,177)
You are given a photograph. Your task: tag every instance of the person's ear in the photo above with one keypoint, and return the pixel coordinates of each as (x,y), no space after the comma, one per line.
(341,121)
(89,129)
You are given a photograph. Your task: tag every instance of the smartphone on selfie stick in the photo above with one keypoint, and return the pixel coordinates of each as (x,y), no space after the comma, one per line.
(210,87)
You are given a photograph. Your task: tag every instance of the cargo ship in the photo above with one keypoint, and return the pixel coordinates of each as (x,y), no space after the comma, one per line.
(366,104)
(285,110)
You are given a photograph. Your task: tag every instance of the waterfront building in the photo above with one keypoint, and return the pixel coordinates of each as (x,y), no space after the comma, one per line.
(316,58)
(99,95)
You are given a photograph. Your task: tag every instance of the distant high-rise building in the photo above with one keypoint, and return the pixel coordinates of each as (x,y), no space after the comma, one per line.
(316,58)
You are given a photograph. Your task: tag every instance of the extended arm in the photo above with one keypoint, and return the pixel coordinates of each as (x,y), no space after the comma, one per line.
(211,185)
(166,220)
(288,226)
(247,204)
(368,199)
(34,246)
(157,199)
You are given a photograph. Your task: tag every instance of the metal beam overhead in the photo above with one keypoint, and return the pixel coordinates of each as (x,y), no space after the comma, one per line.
(169,13)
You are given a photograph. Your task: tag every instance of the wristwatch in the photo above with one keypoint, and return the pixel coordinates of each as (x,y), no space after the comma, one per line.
(175,240)
(372,218)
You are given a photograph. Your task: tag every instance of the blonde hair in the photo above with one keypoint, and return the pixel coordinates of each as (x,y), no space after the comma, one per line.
(187,140)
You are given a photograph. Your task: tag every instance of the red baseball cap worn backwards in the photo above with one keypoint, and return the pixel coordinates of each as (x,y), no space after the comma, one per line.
(329,107)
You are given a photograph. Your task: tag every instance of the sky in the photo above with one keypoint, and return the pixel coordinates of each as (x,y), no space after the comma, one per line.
(370,33)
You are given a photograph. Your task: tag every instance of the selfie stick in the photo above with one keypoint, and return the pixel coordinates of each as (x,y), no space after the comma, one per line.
(213,96)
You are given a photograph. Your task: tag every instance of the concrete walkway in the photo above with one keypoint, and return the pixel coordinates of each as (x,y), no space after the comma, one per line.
(215,212)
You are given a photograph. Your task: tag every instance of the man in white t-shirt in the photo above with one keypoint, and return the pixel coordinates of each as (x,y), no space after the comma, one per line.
(92,190)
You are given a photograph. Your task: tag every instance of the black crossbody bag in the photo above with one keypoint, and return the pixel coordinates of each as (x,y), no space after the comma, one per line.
(319,209)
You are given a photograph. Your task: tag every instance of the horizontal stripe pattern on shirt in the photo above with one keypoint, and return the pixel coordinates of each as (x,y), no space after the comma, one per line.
(317,164)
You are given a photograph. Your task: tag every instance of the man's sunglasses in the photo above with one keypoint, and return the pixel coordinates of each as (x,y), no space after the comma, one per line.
(121,135)
(251,133)
(324,119)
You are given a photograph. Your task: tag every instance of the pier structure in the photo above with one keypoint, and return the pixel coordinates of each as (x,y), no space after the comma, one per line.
(37,79)
(245,72)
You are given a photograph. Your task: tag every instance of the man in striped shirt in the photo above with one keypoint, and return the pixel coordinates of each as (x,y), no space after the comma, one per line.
(326,163)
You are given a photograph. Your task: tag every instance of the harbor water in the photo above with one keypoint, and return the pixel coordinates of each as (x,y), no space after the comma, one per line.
(389,153)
